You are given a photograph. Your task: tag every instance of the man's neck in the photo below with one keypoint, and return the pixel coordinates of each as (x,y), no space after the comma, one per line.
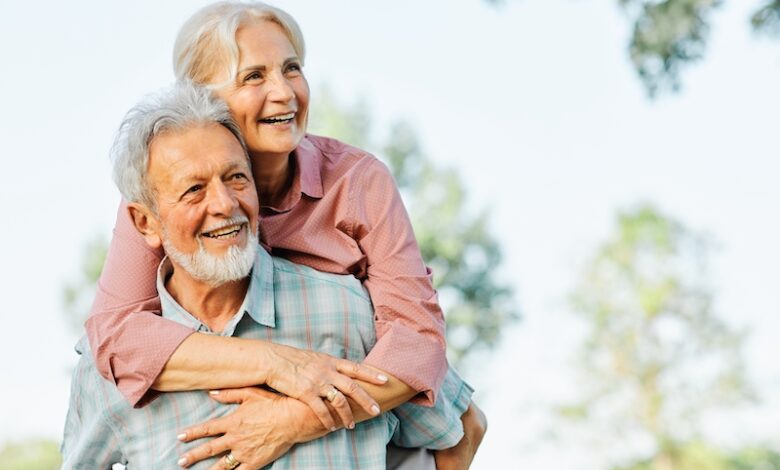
(213,306)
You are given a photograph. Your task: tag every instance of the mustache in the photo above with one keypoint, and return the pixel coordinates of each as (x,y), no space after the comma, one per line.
(237,220)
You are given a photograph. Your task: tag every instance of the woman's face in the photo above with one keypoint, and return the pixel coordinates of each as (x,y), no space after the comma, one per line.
(269,98)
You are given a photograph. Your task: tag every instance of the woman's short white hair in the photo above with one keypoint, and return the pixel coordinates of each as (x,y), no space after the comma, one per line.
(206,45)
(173,109)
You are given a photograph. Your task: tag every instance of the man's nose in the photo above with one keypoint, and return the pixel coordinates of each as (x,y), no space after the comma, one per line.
(222,201)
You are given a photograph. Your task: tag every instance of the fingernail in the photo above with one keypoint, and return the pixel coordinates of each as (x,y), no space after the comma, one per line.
(182,462)
(352,425)
(213,392)
(375,409)
(382,377)
(182,436)
(333,428)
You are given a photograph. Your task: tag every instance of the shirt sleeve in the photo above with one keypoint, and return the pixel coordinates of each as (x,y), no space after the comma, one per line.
(89,441)
(409,322)
(439,427)
(130,340)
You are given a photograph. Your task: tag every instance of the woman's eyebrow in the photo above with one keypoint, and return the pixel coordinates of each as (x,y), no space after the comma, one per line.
(252,67)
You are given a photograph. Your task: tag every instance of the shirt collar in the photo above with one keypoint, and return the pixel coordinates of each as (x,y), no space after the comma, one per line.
(258,303)
(307,179)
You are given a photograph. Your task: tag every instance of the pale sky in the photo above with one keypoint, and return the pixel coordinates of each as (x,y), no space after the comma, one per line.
(534,103)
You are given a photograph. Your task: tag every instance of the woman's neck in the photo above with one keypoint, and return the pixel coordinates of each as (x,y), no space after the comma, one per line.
(273,177)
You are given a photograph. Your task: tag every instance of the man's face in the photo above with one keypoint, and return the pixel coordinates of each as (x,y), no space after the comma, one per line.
(207,208)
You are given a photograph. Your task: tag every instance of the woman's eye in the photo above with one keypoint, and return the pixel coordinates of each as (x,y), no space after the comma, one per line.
(294,67)
(253,76)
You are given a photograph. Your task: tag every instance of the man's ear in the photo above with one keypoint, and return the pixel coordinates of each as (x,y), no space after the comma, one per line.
(146,223)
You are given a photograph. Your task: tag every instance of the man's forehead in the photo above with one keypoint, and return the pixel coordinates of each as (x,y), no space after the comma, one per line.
(195,152)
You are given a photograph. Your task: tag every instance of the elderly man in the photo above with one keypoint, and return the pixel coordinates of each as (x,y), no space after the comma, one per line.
(194,196)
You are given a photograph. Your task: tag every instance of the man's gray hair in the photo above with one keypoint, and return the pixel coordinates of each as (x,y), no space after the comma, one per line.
(173,109)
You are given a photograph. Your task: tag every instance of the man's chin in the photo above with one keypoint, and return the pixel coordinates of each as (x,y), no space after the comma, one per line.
(231,264)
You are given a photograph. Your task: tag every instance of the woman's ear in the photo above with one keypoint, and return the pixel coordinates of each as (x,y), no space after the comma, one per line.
(147,223)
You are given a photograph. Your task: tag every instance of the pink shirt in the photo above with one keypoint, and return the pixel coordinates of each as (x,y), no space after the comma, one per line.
(342,215)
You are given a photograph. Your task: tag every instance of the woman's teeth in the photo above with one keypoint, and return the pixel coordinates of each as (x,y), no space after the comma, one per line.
(282,119)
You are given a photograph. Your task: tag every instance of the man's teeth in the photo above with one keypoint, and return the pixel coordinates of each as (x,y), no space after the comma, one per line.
(278,119)
(225,232)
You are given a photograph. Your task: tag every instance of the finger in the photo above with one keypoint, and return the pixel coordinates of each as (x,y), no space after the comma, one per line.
(220,465)
(233,395)
(212,427)
(354,391)
(322,412)
(361,372)
(341,405)
(211,448)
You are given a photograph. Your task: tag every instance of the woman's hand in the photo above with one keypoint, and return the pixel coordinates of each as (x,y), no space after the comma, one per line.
(260,431)
(311,376)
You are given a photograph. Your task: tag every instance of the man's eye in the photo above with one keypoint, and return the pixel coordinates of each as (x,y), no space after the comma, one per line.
(193,189)
(294,67)
(238,176)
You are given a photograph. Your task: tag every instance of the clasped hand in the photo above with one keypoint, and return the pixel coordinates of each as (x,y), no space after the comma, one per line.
(261,430)
(311,377)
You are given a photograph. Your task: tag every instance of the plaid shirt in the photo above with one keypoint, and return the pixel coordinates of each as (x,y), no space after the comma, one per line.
(286,303)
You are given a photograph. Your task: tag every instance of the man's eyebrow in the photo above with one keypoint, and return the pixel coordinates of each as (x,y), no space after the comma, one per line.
(234,166)
(187,179)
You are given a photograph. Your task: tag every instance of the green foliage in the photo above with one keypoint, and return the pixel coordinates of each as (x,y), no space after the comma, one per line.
(767,18)
(34,454)
(457,245)
(667,35)
(755,458)
(656,356)
(699,456)
(78,294)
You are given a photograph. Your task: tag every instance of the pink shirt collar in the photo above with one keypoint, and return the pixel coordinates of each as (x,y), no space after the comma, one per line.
(307,178)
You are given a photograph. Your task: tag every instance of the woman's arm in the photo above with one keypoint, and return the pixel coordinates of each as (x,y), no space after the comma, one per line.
(130,341)
(209,362)
(265,426)
(409,322)
(133,344)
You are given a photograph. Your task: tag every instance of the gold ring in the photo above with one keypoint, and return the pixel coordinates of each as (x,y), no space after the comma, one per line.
(332,394)
(230,462)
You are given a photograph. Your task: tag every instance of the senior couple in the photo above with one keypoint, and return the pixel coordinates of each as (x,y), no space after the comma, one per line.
(331,325)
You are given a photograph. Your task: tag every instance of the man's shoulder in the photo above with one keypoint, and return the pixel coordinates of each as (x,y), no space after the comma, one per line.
(289,275)
(90,388)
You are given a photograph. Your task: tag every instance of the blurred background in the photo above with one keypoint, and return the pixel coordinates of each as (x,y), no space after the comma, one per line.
(595,183)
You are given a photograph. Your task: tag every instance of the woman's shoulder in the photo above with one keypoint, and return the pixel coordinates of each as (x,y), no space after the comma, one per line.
(339,159)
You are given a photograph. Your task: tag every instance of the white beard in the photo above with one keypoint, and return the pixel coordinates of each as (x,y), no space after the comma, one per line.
(203,266)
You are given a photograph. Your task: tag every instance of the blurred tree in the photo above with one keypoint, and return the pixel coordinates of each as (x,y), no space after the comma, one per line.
(767,18)
(655,356)
(458,246)
(78,294)
(668,34)
(699,456)
(33,454)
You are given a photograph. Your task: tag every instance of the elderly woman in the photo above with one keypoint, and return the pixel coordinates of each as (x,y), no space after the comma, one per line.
(324,204)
